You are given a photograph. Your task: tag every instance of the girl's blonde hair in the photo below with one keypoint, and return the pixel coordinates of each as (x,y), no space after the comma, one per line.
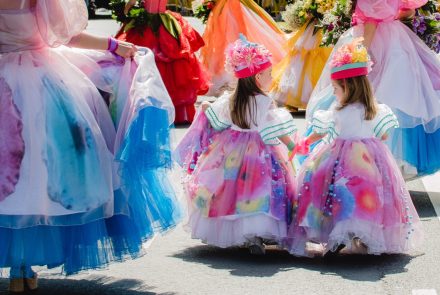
(243,102)
(358,90)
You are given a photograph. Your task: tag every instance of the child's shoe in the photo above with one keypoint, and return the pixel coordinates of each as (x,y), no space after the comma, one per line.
(256,247)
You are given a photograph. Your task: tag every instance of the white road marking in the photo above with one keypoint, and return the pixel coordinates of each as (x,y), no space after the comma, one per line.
(432,185)
(424,292)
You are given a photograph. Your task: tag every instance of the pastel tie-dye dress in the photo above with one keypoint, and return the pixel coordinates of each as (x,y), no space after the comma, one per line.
(238,183)
(350,187)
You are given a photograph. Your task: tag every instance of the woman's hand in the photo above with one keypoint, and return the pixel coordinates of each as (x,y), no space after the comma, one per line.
(129,5)
(125,49)
(406,14)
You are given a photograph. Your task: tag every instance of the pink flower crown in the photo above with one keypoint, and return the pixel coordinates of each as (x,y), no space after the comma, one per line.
(350,60)
(246,59)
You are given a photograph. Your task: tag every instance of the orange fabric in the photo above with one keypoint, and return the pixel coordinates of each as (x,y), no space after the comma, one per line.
(227,20)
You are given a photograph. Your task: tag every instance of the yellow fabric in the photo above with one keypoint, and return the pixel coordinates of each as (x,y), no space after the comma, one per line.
(314,62)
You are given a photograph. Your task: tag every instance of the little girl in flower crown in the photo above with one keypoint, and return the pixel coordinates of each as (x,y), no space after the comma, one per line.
(351,194)
(237,181)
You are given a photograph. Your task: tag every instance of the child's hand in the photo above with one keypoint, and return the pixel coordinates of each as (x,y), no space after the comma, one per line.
(303,146)
(205,105)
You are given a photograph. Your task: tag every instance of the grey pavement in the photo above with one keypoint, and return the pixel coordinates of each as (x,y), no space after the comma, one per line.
(176,264)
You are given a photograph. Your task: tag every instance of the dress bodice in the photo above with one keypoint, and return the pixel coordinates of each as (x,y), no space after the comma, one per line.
(19,30)
(48,23)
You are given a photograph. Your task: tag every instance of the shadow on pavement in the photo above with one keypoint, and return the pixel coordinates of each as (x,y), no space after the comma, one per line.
(240,263)
(423,204)
(93,285)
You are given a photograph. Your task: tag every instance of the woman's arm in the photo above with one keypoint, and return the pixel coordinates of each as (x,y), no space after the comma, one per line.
(369,31)
(129,5)
(88,41)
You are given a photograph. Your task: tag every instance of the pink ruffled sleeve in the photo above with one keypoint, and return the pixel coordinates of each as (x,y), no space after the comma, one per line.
(376,10)
(61,20)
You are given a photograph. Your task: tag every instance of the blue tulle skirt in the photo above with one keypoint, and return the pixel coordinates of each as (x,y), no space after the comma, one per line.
(144,205)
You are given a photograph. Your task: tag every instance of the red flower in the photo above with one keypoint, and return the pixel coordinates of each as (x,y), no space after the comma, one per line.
(210,5)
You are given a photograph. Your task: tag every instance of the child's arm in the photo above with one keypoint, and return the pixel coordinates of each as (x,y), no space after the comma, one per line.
(384,136)
(205,105)
(287,140)
(314,137)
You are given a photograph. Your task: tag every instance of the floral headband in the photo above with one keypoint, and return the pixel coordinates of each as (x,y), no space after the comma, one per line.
(350,60)
(246,59)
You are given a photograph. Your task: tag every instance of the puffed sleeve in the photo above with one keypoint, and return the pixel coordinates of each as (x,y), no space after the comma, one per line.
(323,122)
(218,113)
(276,123)
(60,21)
(376,10)
(384,120)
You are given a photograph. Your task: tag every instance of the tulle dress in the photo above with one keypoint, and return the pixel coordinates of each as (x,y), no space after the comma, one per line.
(405,76)
(74,192)
(175,43)
(350,187)
(237,182)
(227,20)
(298,72)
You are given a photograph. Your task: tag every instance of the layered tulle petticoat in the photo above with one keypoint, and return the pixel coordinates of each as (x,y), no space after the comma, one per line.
(175,44)
(298,72)
(75,193)
(238,187)
(413,94)
(353,189)
(228,19)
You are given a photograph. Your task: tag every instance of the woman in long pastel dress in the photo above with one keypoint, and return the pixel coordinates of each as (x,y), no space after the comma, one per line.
(299,71)
(405,76)
(74,193)
(237,182)
(351,195)
(227,20)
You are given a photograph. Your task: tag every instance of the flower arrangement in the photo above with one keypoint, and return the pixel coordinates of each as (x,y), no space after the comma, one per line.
(350,60)
(245,58)
(354,52)
(139,18)
(305,11)
(202,8)
(335,22)
(426,24)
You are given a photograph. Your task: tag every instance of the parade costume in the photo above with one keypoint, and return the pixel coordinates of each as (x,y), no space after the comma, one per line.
(350,187)
(413,94)
(227,20)
(238,184)
(174,43)
(297,74)
(74,192)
